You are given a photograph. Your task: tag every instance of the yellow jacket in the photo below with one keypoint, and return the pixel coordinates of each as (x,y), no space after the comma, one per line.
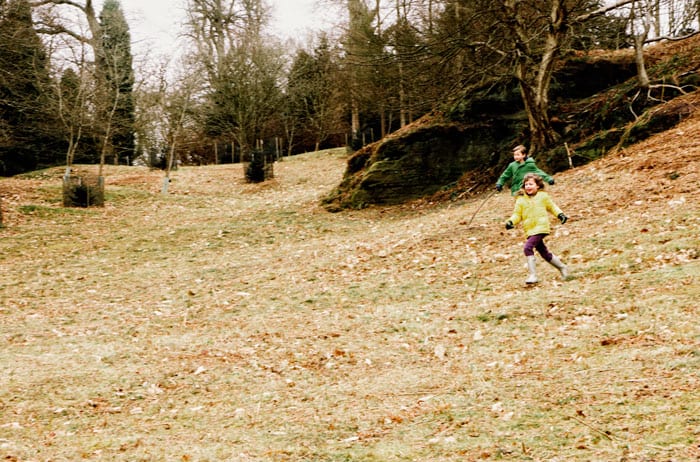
(532,211)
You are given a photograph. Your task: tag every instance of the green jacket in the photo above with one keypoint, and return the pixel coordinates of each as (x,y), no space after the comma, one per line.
(532,211)
(515,172)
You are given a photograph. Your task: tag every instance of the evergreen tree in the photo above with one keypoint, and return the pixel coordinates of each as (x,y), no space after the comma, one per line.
(312,93)
(362,47)
(116,67)
(28,132)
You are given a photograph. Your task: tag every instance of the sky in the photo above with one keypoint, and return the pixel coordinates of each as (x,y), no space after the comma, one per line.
(155,24)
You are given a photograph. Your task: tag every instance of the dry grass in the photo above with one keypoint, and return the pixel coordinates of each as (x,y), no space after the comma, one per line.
(235,322)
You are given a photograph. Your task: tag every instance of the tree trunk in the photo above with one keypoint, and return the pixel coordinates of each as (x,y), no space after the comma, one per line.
(541,132)
(290,142)
(642,76)
(655,13)
(402,98)
(355,116)
(382,119)
(108,132)
(639,39)
(430,17)
(536,97)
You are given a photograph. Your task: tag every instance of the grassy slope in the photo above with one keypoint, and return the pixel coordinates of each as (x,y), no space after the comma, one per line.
(238,322)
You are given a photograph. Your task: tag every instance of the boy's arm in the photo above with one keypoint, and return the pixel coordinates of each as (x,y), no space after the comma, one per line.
(547,178)
(505,176)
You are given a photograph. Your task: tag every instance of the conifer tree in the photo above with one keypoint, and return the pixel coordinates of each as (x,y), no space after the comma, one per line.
(115,65)
(312,94)
(27,132)
(359,42)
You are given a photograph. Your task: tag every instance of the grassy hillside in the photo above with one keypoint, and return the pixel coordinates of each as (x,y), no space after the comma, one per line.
(237,322)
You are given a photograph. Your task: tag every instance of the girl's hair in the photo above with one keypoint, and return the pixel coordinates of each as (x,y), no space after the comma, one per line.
(531,176)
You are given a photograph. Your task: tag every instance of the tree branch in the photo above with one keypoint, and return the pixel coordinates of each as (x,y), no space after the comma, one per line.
(671,39)
(37,3)
(602,11)
(57,29)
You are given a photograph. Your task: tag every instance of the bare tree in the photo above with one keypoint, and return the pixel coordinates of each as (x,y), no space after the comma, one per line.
(73,92)
(645,16)
(243,70)
(177,101)
(535,79)
(641,20)
(53,21)
(520,38)
(149,101)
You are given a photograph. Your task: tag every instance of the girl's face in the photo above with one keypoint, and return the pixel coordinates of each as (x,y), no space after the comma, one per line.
(530,187)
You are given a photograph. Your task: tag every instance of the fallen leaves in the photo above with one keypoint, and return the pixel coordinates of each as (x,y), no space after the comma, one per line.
(293,333)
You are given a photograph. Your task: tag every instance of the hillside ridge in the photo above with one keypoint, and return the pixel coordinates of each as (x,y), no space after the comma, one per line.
(596,106)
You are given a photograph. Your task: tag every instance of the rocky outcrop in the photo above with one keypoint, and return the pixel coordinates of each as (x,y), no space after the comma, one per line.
(415,162)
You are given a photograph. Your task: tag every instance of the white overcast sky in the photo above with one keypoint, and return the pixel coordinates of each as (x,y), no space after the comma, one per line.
(155,24)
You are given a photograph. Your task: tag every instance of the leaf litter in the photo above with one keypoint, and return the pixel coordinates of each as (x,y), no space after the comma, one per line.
(229,321)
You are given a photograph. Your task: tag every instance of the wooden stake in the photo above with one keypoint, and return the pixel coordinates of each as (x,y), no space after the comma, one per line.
(568,154)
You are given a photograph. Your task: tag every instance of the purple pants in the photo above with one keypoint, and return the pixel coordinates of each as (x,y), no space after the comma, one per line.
(536,242)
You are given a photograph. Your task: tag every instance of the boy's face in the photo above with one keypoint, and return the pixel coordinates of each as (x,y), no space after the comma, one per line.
(519,155)
(530,187)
